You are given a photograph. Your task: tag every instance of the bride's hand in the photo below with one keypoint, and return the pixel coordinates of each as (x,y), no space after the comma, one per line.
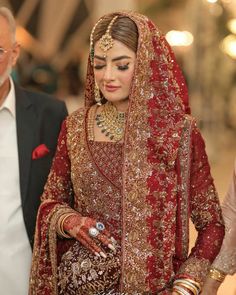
(87,231)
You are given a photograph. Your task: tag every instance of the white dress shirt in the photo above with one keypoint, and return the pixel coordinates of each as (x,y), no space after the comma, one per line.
(15,251)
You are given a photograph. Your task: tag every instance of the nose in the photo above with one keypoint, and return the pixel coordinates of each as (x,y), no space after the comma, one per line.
(109,73)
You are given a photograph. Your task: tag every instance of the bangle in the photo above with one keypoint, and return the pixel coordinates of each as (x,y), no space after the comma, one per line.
(190,280)
(195,283)
(181,290)
(60,225)
(216,274)
(191,288)
(189,284)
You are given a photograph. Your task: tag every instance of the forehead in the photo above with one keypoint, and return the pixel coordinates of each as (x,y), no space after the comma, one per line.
(118,49)
(5,34)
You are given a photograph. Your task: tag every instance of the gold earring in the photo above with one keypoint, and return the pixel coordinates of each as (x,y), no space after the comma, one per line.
(97,95)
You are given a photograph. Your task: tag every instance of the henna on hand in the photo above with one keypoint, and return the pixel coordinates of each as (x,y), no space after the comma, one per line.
(78,227)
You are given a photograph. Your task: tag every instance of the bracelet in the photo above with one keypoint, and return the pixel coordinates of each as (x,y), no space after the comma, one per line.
(217,275)
(187,278)
(193,286)
(195,283)
(180,290)
(60,225)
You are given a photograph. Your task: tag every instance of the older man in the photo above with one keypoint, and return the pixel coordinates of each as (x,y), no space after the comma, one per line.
(29,127)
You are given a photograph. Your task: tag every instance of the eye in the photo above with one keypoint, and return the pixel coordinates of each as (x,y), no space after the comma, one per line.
(99,67)
(123,67)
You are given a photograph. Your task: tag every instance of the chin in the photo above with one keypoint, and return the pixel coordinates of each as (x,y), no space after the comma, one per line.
(116,99)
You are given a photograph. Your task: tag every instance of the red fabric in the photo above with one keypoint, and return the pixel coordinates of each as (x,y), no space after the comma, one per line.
(40,151)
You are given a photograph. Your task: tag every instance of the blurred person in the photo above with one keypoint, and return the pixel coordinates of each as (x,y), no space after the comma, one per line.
(225,262)
(29,126)
(71,86)
(129,171)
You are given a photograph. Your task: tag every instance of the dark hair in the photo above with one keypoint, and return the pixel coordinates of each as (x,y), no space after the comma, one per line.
(123,30)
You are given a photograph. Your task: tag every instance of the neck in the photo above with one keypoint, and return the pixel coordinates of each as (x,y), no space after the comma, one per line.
(4,90)
(121,106)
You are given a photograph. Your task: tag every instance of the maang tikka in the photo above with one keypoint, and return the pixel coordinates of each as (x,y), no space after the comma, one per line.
(105,43)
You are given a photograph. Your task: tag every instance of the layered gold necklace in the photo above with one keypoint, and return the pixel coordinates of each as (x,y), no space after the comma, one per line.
(111,122)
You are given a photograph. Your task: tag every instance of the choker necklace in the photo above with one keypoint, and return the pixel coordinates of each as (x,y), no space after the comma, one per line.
(111,122)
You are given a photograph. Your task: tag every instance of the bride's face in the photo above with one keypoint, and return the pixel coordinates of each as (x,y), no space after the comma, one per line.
(114,71)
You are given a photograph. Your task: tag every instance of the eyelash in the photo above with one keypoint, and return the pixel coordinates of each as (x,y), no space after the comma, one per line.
(120,68)
(124,67)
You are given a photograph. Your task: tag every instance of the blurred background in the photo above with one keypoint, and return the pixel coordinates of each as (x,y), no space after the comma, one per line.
(54,36)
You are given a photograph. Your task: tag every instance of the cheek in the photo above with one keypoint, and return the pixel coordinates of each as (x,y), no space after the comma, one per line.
(126,79)
(3,67)
(98,76)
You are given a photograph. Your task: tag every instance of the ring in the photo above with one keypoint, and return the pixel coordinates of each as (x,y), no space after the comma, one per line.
(93,232)
(100,226)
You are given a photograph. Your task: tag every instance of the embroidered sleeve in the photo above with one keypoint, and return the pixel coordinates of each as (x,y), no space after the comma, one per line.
(58,186)
(226,259)
(205,213)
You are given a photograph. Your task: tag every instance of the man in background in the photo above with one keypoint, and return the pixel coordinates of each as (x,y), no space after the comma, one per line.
(29,126)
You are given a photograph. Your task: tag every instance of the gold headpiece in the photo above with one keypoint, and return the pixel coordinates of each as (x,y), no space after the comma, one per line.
(106,41)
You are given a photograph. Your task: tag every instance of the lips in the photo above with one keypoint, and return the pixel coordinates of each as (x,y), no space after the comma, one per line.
(111,88)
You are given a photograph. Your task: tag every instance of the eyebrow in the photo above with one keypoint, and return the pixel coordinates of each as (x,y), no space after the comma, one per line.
(114,59)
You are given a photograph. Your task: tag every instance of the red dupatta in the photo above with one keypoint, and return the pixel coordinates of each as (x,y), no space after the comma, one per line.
(158,102)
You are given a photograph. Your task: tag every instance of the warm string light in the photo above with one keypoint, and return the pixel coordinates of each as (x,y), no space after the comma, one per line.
(179,38)
(228,45)
(232,25)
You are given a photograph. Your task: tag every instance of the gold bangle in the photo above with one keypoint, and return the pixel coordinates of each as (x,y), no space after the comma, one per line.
(60,225)
(216,274)
(192,288)
(188,283)
(60,229)
(195,283)
(181,290)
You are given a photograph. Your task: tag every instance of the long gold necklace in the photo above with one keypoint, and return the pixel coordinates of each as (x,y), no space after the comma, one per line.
(111,122)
